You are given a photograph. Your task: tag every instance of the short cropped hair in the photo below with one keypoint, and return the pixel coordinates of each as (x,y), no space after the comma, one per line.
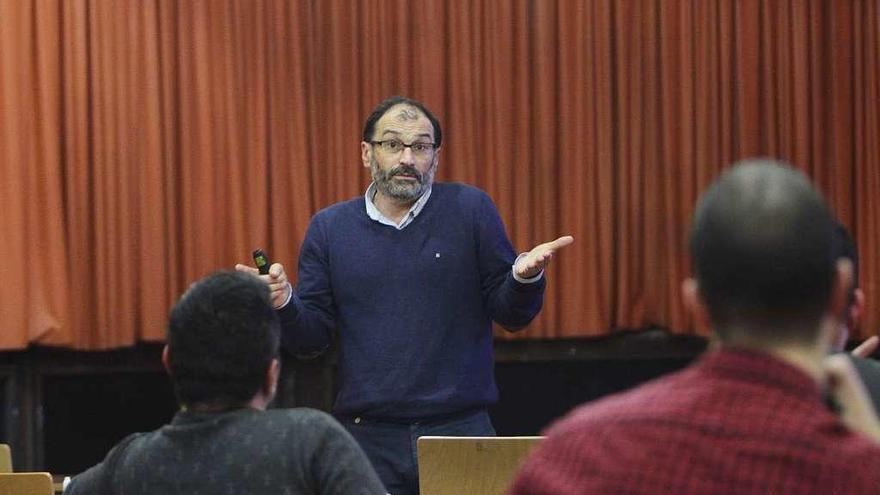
(222,337)
(845,247)
(382,109)
(761,245)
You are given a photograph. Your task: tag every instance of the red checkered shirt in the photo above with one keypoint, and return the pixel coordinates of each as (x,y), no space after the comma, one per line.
(735,422)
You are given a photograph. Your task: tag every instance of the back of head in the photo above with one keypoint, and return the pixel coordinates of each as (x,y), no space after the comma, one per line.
(222,337)
(761,244)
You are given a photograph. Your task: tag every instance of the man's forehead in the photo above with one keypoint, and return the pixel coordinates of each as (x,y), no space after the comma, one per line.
(405,119)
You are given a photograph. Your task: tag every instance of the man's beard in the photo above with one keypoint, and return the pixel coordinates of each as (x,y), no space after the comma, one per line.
(404,191)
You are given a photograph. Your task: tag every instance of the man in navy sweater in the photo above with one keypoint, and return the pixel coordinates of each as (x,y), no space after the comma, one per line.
(411,276)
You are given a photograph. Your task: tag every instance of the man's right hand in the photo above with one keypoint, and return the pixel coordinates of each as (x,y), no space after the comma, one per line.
(279,286)
(866,348)
(849,392)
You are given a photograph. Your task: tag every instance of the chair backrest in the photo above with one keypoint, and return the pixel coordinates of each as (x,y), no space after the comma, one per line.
(26,484)
(5,459)
(470,465)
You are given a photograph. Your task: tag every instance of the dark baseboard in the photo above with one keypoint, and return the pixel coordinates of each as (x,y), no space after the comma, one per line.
(62,410)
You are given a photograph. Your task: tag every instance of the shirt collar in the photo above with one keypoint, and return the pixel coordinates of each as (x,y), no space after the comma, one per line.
(742,364)
(377,215)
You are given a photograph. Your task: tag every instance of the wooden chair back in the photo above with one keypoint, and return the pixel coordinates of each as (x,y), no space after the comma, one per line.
(26,484)
(470,465)
(5,459)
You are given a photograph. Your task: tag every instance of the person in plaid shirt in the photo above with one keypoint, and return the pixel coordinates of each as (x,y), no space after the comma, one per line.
(765,410)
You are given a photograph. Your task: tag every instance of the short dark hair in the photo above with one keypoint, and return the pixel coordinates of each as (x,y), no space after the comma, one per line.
(382,109)
(761,245)
(845,247)
(222,336)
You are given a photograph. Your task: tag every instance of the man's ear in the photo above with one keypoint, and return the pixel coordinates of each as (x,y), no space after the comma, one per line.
(694,303)
(856,310)
(840,288)
(166,359)
(272,374)
(366,149)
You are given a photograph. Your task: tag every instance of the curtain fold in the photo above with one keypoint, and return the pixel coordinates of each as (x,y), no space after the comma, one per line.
(145,144)
(34,297)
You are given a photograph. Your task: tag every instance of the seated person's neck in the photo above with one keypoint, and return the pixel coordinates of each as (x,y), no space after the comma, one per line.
(806,356)
(258,402)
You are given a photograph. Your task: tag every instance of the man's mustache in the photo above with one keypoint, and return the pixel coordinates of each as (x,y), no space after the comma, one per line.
(405,170)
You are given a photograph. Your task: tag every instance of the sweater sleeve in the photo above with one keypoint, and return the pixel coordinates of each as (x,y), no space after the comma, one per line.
(511,304)
(309,320)
(98,479)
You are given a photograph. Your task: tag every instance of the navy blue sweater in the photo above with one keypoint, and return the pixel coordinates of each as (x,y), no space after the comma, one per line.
(413,307)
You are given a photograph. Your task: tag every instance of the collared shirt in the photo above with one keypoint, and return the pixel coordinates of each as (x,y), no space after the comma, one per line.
(377,215)
(737,422)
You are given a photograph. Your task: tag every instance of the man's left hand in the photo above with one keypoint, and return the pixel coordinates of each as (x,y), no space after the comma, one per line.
(532,263)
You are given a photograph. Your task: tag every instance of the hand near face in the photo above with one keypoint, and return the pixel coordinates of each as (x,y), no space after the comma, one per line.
(866,348)
(535,260)
(844,385)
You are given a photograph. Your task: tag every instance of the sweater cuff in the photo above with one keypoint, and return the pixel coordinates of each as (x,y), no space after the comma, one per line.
(287,312)
(289,297)
(520,279)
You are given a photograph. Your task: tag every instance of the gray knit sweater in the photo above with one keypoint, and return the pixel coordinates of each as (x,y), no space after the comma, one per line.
(245,451)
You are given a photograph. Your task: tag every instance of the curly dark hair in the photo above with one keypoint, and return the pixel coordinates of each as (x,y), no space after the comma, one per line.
(222,337)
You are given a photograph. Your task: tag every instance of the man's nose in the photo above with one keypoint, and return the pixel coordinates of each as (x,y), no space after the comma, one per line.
(407,156)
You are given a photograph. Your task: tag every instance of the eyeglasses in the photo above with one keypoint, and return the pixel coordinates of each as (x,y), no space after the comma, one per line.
(395,146)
